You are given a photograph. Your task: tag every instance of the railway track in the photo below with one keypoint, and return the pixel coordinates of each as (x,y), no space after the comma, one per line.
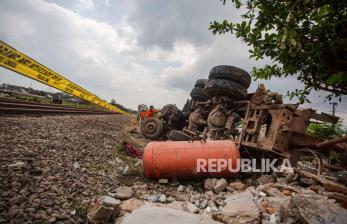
(14,107)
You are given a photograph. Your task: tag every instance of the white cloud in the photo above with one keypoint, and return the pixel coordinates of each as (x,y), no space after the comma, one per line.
(82,5)
(133,51)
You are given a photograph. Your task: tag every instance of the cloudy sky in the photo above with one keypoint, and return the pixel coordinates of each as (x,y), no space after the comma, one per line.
(135,51)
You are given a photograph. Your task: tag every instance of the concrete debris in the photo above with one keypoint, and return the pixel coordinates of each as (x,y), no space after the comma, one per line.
(209,183)
(159,215)
(162,198)
(189,207)
(105,209)
(316,209)
(275,207)
(239,208)
(220,185)
(215,185)
(131,204)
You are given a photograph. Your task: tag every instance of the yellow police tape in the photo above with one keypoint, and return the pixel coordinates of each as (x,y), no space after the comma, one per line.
(18,62)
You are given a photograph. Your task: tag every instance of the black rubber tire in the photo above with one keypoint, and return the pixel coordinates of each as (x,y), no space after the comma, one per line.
(176,135)
(200,83)
(198,94)
(168,110)
(152,128)
(231,73)
(223,87)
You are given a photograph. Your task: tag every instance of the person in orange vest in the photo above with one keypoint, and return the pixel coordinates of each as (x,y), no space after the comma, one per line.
(151,112)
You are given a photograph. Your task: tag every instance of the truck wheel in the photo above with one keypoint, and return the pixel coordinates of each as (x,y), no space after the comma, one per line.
(152,128)
(200,83)
(168,110)
(231,73)
(198,94)
(175,135)
(224,87)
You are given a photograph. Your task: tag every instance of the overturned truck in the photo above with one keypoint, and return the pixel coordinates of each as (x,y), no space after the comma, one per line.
(221,109)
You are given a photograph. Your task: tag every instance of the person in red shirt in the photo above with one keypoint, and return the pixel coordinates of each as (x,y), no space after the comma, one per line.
(151,112)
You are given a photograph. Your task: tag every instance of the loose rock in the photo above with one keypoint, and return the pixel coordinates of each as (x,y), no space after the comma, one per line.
(239,208)
(123,193)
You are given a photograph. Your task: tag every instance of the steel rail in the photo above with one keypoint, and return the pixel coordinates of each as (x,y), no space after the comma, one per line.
(14,108)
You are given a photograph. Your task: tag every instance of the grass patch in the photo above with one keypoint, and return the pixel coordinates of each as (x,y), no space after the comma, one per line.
(81,211)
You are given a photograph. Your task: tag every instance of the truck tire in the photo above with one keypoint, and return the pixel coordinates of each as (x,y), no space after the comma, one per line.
(200,83)
(224,87)
(152,128)
(176,135)
(170,110)
(198,94)
(231,73)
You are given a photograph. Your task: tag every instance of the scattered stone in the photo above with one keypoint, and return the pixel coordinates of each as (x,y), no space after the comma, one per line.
(76,165)
(203,204)
(286,193)
(316,209)
(123,193)
(170,199)
(105,209)
(153,198)
(189,207)
(52,220)
(220,185)
(276,205)
(163,181)
(181,188)
(237,186)
(132,204)
(282,180)
(179,196)
(274,192)
(209,183)
(125,171)
(239,208)
(36,171)
(262,194)
(53,168)
(16,165)
(265,179)
(162,198)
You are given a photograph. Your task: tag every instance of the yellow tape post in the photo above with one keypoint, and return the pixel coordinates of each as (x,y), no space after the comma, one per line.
(18,62)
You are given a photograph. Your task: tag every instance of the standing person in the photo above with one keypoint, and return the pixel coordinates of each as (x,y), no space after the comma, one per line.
(151,112)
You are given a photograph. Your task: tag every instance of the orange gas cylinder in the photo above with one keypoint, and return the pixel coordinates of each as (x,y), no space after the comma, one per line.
(186,160)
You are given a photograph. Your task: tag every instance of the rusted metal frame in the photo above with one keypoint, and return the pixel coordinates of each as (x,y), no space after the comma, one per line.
(320,162)
(244,123)
(332,142)
(298,139)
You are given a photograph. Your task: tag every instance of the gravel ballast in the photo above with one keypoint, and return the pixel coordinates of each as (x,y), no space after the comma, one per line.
(53,167)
